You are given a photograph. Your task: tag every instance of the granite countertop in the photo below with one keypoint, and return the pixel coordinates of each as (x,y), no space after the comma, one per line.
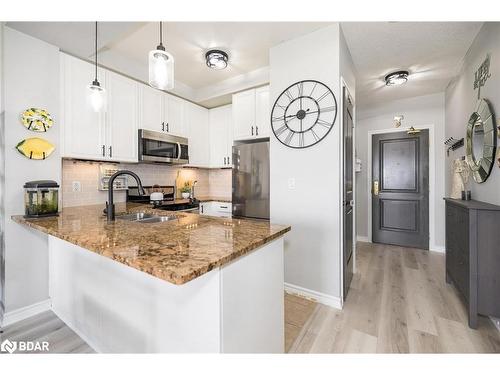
(176,251)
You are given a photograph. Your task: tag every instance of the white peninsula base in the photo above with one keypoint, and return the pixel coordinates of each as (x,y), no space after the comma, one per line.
(237,308)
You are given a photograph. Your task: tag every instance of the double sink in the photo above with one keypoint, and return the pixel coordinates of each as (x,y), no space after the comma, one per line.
(143,217)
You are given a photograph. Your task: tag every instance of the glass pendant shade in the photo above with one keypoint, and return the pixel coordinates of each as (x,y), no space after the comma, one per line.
(161,69)
(97,97)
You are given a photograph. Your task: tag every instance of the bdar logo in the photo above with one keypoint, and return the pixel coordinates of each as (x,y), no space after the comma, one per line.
(8,346)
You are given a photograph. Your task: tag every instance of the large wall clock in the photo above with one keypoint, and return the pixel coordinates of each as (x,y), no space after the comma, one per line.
(304,114)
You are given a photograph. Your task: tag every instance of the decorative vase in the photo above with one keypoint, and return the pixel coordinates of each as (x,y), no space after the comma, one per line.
(185,195)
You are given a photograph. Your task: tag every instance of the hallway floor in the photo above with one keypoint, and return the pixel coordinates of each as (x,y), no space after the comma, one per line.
(399,302)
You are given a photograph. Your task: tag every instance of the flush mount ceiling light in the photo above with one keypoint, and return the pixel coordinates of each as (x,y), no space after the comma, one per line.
(96,94)
(216,59)
(396,78)
(161,66)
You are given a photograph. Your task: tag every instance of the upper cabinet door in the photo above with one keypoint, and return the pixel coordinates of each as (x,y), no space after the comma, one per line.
(175,115)
(122,117)
(199,146)
(244,114)
(82,129)
(262,114)
(151,108)
(220,122)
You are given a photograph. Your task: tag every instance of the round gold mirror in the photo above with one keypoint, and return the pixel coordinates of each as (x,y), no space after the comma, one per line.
(481,141)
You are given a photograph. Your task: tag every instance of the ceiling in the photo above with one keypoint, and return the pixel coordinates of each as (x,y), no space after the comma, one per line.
(247,44)
(431,51)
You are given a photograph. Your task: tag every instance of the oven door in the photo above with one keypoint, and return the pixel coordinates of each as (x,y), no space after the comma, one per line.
(162,148)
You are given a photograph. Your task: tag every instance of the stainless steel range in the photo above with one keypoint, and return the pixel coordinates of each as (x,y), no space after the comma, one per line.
(167,203)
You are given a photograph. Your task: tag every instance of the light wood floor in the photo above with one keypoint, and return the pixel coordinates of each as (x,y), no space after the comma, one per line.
(398,303)
(46,327)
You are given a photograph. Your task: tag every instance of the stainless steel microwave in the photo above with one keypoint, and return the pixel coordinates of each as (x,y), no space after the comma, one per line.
(156,147)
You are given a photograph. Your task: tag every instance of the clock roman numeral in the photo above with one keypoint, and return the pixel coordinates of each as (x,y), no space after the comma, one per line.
(289,95)
(314,87)
(300,88)
(280,130)
(328,109)
(301,139)
(323,96)
(324,123)
(316,137)
(289,137)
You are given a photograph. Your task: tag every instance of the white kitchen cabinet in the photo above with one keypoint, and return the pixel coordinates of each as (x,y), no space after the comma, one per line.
(262,112)
(221,137)
(213,208)
(198,135)
(174,116)
(121,118)
(151,109)
(251,114)
(85,134)
(82,129)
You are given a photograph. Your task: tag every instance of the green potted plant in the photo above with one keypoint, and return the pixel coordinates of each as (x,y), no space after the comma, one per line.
(186,190)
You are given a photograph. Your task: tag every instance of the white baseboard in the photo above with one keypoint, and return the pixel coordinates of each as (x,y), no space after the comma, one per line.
(362,238)
(322,298)
(26,312)
(496,322)
(437,249)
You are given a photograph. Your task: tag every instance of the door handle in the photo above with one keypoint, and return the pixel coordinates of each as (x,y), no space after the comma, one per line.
(375,187)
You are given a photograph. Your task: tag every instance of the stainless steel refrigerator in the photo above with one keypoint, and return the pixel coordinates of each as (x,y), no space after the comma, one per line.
(251,179)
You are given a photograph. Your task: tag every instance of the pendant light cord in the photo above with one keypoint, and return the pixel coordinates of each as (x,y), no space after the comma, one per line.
(96,50)
(161,33)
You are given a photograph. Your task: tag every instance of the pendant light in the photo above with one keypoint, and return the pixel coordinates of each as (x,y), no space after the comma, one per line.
(161,66)
(97,94)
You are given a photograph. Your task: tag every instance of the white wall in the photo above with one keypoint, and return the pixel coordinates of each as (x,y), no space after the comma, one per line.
(2,182)
(417,111)
(31,73)
(312,248)
(461,100)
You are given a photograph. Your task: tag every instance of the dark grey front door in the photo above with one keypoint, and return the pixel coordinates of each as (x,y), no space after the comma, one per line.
(348,222)
(400,189)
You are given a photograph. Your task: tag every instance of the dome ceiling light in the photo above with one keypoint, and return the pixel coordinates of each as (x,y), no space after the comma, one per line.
(396,78)
(216,59)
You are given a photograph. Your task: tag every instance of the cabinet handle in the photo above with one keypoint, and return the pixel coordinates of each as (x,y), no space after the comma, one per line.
(224,160)
(201,208)
(103,150)
(252,130)
(163,126)
(228,160)
(256,130)
(167,127)
(110,151)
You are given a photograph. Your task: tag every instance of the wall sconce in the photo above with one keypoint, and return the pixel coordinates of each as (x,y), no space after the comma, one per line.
(398,120)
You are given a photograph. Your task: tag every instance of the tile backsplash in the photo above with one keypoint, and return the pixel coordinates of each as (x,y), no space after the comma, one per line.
(214,182)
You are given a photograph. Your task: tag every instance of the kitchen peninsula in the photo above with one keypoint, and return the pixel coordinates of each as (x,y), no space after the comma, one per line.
(190,284)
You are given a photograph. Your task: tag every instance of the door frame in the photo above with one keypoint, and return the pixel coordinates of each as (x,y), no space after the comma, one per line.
(432,179)
(341,183)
